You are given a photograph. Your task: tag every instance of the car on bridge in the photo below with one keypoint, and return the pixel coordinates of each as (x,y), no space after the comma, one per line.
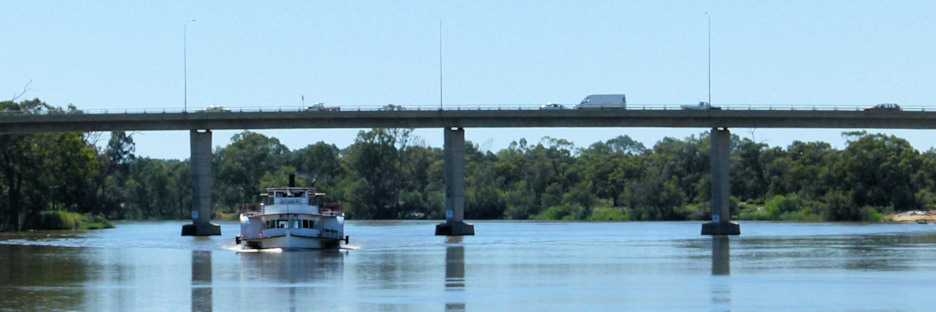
(323,108)
(884,107)
(552,106)
(701,106)
(214,109)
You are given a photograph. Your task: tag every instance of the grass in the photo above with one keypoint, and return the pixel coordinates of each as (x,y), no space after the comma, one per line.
(607,214)
(571,213)
(87,222)
(232,216)
(63,220)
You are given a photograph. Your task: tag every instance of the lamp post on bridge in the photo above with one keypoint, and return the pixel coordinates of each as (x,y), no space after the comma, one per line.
(185,64)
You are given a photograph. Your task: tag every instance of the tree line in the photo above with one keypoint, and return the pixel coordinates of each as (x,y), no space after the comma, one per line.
(392,174)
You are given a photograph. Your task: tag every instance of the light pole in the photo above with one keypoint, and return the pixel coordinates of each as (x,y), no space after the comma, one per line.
(709,17)
(440,63)
(185,63)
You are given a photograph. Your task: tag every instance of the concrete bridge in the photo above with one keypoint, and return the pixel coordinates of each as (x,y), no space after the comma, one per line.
(453,123)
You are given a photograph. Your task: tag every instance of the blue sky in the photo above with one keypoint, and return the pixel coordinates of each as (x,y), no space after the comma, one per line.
(129,55)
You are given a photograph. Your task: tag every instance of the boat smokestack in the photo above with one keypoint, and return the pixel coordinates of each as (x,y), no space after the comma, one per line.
(292,180)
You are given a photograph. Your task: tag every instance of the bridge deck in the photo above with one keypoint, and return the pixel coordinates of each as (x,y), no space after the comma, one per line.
(14,124)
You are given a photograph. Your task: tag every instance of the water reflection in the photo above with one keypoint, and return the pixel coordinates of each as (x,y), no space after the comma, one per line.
(721,254)
(292,267)
(39,275)
(455,272)
(201,280)
(299,279)
(721,266)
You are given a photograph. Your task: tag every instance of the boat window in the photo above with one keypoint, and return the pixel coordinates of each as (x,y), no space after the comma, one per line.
(307,224)
(281,224)
(295,224)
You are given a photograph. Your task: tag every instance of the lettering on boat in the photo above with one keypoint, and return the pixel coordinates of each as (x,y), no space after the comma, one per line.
(289,201)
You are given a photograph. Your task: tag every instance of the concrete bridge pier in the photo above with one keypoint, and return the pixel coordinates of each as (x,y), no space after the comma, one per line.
(201,187)
(454,186)
(721,214)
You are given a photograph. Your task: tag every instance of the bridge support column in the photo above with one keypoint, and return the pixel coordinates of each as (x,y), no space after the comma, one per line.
(201,187)
(721,214)
(454,185)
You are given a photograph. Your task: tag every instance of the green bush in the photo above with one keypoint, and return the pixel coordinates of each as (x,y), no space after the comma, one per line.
(54,220)
(564,212)
(779,205)
(870,214)
(800,216)
(232,216)
(697,212)
(94,222)
(607,214)
(63,220)
(753,214)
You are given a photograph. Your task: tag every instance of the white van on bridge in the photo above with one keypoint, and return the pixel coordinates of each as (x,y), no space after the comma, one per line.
(603,101)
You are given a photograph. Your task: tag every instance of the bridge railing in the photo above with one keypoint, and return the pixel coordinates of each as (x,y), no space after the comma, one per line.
(463,107)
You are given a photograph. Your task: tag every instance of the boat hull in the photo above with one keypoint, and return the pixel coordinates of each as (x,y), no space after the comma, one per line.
(293,231)
(290,242)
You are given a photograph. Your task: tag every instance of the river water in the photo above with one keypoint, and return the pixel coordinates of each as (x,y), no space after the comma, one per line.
(507,266)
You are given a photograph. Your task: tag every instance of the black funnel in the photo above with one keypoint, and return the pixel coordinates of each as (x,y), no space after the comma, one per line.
(292,180)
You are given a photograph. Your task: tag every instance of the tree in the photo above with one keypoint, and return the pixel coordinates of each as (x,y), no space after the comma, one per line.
(877,170)
(114,168)
(241,165)
(120,148)
(482,185)
(373,159)
(623,144)
(803,168)
(319,161)
(42,171)
(749,177)
(422,181)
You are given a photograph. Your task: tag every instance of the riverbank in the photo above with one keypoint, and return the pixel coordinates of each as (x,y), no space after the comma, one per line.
(748,213)
(914,216)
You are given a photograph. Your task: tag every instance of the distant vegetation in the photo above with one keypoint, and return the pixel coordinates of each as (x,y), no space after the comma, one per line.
(63,220)
(391,174)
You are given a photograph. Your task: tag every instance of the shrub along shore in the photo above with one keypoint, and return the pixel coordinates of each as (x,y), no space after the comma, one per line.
(63,220)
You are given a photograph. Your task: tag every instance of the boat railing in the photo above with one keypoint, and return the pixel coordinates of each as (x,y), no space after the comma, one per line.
(332,208)
(251,208)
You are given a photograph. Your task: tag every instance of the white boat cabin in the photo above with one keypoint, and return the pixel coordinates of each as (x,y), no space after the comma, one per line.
(292,217)
(293,200)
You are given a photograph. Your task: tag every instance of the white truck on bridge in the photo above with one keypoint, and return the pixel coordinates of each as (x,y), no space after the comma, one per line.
(603,101)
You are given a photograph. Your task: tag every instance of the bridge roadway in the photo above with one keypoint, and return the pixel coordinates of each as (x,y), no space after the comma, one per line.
(17,124)
(453,123)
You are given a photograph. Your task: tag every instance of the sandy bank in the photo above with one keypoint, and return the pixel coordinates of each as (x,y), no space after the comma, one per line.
(915,216)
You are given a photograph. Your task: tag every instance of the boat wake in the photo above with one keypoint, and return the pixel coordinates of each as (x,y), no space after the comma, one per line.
(349,247)
(240,248)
